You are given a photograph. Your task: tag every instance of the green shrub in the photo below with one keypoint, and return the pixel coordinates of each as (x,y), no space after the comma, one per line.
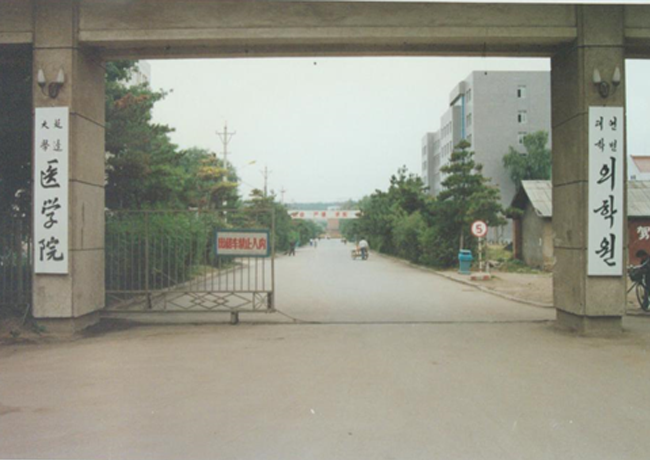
(406,236)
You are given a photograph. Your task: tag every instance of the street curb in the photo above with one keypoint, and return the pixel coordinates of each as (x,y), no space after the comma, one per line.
(467,283)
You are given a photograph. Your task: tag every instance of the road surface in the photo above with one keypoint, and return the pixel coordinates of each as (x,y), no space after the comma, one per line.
(324,284)
(470,377)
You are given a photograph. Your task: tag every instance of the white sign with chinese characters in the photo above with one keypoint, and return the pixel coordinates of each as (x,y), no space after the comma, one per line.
(51,142)
(339,214)
(606,185)
(243,243)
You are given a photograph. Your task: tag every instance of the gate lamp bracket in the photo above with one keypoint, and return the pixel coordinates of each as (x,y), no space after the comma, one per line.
(603,87)
(52,89)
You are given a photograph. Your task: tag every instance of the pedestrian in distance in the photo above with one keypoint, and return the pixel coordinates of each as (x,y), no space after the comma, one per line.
(292,248)
(364,247)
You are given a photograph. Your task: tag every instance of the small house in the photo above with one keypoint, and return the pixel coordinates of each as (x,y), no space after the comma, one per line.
(533,230)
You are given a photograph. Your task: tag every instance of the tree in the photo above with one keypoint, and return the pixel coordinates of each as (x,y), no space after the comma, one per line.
(143,165)
(208,183)
(535,164)
(466,195)
(385,216)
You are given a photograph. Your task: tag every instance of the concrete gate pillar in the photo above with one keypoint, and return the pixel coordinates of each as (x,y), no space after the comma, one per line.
(69,301)
(583,304)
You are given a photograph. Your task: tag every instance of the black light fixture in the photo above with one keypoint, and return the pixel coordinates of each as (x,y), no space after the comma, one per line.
(54,87)
(603,87)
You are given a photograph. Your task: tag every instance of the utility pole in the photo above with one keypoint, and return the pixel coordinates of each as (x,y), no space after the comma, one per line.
(225,137)
(282,192)
(266,173)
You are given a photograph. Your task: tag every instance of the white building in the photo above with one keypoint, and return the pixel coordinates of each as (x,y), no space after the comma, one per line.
(431,161)
(494,111)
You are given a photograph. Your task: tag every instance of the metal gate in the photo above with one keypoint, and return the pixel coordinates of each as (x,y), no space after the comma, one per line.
(167,262)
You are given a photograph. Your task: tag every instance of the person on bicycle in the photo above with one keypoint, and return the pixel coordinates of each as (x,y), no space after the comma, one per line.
(363,247)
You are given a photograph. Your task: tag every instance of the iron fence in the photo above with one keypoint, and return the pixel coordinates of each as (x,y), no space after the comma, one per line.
(165,261)
(15,266)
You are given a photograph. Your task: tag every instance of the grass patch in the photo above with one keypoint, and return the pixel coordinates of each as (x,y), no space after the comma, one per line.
(506,261)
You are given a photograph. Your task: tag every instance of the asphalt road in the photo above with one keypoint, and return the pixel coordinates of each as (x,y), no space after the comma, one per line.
(324,284)
(464,380)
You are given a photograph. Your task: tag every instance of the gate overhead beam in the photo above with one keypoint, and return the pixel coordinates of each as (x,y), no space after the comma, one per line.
(235,28)
(193,28)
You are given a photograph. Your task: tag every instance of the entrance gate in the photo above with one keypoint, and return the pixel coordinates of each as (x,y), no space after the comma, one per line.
(73,39)
(166,262)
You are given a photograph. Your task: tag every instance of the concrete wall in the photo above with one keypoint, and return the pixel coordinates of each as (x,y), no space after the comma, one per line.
(81,291)
(532,237)
(583,302)
(16,22)
(250,28)
(138,29)
(547,245)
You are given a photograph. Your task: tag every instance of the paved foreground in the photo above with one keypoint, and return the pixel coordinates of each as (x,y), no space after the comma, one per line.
(449,391)
(398,363)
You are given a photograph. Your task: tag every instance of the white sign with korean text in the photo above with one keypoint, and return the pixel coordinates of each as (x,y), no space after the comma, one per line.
(606,186)
(51,151)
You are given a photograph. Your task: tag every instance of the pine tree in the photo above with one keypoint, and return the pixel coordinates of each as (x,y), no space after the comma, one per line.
(467,195)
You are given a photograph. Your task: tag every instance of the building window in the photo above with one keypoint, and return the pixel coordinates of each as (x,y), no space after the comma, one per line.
(469,119)
(522,117)
(469,139)
(468,95)
(520,138)
(521,92)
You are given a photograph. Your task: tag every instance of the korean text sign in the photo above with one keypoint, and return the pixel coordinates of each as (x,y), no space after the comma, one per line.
(243,243)
(51,152)
(606,186)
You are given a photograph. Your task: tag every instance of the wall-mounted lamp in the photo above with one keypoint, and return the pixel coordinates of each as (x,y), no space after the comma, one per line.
(54,87)
(603,87)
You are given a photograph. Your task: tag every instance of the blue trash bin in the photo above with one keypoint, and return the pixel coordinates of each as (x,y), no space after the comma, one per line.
(465,261)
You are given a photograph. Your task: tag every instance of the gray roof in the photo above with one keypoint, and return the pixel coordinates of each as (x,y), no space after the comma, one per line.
(638,198)
(540,194)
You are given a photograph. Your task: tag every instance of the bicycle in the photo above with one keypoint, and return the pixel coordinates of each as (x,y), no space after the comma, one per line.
(639,275)
(359,253)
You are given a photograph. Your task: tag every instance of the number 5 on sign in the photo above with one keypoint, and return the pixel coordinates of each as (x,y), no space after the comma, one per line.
(479,229)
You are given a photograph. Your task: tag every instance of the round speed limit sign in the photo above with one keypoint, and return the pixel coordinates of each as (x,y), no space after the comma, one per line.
(479,229)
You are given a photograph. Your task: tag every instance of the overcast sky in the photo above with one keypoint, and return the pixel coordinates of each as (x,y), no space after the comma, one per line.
(331,129)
